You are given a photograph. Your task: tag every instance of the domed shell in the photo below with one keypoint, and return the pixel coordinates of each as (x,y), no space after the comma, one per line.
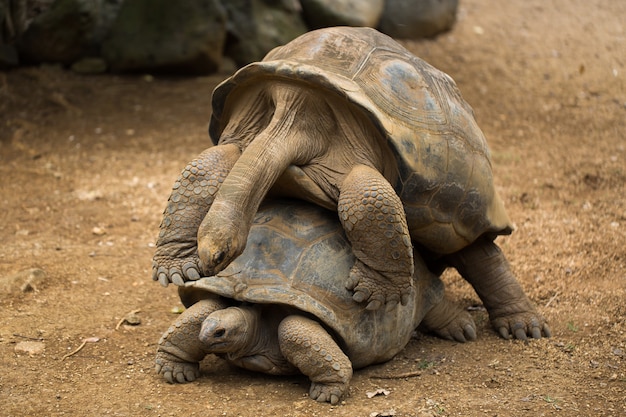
(297,255)
(444,170)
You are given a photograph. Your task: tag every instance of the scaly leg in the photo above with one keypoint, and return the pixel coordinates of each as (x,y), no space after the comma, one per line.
(512,314)
(373,217)
(176,256)
(308,346)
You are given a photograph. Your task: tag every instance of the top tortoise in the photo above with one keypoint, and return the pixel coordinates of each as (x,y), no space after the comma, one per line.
(350,120)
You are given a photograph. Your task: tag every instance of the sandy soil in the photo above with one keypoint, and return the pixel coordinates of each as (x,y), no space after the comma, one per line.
(87,164)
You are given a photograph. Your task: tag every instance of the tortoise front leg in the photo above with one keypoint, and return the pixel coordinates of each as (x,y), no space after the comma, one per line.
(512,314)
(180,349)
(176,257)
(309,347)
(373,218)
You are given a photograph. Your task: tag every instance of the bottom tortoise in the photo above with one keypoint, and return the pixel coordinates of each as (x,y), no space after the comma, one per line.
(282,308)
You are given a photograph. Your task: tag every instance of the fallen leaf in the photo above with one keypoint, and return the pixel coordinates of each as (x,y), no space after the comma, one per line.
(379,391)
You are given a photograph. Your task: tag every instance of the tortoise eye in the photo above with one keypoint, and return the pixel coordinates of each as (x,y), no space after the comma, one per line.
(219,333)
(218,258)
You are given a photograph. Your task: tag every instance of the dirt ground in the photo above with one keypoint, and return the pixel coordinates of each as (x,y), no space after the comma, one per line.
(87,164)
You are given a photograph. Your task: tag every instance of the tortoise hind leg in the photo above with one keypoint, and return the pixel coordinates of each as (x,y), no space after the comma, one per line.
(512,314)
(449,321)
(308,346)
(373,218)
(176,256)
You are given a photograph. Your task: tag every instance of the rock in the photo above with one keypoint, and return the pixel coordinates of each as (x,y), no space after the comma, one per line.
(167,36)
(412,19)
(105,12)
(8,56)
(67,31)
(152,36)
(30,348)
(90,66)
(23,281)
(61,34)
(326,13)
(8,52)
(255,27)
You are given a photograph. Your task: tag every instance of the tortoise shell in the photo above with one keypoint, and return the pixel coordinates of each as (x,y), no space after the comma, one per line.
(298,256)
(444,176)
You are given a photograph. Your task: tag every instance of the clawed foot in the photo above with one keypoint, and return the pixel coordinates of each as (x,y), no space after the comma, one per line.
(522,326)
(330,393)
(166,268)
(174,370)
(369,285)
(462,329)
(449,321)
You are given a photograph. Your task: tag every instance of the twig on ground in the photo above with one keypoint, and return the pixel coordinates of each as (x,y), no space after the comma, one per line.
(38,339)
(552,299)
(410,374)
(82,345)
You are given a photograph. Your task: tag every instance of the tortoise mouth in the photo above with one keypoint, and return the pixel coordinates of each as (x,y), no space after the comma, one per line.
(217,347)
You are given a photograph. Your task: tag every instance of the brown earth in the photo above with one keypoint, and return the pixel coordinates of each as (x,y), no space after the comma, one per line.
(87,164)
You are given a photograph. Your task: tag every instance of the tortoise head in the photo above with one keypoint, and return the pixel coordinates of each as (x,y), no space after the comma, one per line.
(228,330)
(219,243)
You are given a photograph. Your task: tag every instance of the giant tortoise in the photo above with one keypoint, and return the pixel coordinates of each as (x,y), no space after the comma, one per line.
(282,308)
(348,119)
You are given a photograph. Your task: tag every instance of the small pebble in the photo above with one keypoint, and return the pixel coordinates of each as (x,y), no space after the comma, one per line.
(132,319)
(98,231)
(30,348)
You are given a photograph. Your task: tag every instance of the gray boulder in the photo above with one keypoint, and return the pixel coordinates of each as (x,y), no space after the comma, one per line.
(257,26)
(61,31)
(8,56)
(326,13)
(8,52)
(167,36)
(412,19)
(61,34)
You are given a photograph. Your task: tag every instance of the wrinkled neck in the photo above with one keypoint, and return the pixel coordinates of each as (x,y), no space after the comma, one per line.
(249,320)
(257,337)
(262,333)
(289,138)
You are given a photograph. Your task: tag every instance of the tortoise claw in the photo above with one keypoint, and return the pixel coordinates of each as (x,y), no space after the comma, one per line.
(459,336)
(174,370)
(374,305)
(177,279)
(175,270)
(504,332)
(163,280)
(522,326)
(520,334)
(536,333)
(470,332)
(360,296)
(330,393)
(191,271)
(405,299)
(390,305)
(375,289)
(546,330)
